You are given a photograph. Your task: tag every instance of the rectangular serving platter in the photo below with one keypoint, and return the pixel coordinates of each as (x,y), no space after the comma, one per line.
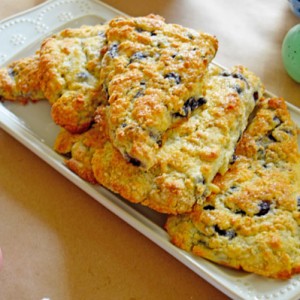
(32,126)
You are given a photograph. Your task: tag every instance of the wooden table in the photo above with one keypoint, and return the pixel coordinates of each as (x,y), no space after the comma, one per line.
(58,242)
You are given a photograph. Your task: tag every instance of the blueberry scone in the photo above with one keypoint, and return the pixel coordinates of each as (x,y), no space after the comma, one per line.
(191,153)
(252,219)
(79,150)
(20,80)
(152,73)
(70,64)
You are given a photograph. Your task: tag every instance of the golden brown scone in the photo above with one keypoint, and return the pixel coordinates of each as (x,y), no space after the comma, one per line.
(151,73)
(252,220)
(70,63)
(79,149)
(191,153)
(20,80)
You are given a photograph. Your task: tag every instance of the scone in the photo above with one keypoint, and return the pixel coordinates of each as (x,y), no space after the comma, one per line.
(80,148)
(70,64)
(252,220)
(191,153)
(20,80)
(152,74)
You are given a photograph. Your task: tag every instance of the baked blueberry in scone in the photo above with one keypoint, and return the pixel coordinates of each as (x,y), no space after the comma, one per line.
(191,152)
(20,80)
(152,75)
(70,64)
(252,219)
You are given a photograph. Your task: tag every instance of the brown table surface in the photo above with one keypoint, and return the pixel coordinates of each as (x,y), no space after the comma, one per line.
(58,242)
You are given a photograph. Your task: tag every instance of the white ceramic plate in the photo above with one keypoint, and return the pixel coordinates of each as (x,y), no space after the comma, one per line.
(20,36)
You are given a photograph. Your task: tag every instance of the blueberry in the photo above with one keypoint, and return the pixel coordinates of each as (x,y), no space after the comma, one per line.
(192,103)
(82,76)
(233,159)
(264,208)
(238,89)
(255,96)
(159,142)
(266,166)
(298,202)
(225,74)
(199,179)
(113,50)
(176,77)
(139,29)
(68,155)
(271,137)
(239,76)
(138,94)
(233,188)
(208,207)
(137,56)
(157,138)
(152,33)
(227,233)
(288,131)
(240,212)
(105,90)
(11,72)
(133,161)
(190,36)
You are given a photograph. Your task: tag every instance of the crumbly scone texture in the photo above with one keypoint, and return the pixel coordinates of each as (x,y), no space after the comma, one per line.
(20,80)
(151,72)
(251,221)
(70,64)
(80,148)
(191,153)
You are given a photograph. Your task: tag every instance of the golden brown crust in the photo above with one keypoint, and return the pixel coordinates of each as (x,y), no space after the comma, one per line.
(252,221)
(20,80)
(150,70)
(191,153)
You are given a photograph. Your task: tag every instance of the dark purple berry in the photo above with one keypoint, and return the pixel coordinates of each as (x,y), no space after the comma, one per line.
(255,96)
(11,72)
(271,137)
(137,56)
(233,159)
(227,233)
(174,76)
(113,50)
(264,208)
(138,94)
(208,207)
(238,89)
(190,105)
(133,161)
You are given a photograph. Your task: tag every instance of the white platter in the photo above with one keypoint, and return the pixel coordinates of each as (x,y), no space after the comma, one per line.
(20,36)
